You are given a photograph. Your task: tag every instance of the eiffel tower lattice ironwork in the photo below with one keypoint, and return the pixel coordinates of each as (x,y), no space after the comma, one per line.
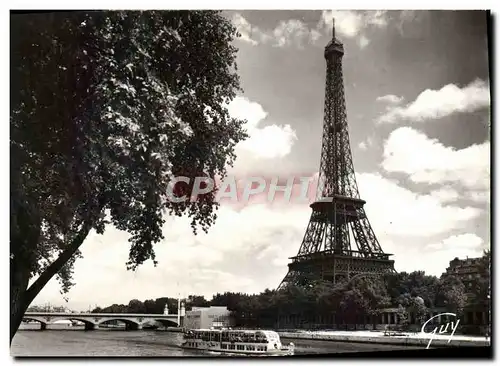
(338,222)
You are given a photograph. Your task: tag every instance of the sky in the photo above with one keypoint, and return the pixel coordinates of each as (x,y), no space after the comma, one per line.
(418,109)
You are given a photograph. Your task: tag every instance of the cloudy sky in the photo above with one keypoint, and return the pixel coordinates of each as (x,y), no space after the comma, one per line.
(417,95)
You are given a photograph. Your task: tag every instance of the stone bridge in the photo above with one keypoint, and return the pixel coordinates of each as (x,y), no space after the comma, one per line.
(93,320)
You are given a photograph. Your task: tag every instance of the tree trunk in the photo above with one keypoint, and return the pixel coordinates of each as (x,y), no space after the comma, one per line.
(56,266)
(20,297)
(24,236)
(18,305)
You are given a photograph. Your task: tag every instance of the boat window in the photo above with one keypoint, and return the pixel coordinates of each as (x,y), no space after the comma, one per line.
(250,348)
(240,347)
(260,337)
(231,346)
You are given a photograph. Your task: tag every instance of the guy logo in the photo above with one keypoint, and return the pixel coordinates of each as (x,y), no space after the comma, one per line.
(453,328)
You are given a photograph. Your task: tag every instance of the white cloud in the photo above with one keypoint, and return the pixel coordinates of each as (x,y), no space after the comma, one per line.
(314,35)
(294,32)
(434,257)
(248,33)
(363,41)
(427,160)
(408,15)
(390,98)
(291,32)
(347,23)
(462,241)
(366,144)
(398,212)
(242,108)
(479,196)
(435,104)
(410,23)
(269,142)
(445,194)
(351,24)
(457,246)
(376,18)
(407,225)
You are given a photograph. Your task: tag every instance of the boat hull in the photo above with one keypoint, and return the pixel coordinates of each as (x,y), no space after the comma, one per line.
(237,342)
(268,353)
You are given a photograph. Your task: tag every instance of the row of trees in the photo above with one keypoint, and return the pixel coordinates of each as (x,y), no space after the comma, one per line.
(48,309)
(355,302)
(156,306)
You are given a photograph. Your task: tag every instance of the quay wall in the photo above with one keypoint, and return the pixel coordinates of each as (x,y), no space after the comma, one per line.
(399,340)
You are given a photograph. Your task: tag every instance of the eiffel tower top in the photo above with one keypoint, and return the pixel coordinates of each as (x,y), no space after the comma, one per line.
(334,46)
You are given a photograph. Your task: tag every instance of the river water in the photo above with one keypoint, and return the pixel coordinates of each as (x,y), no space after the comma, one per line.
(61,340)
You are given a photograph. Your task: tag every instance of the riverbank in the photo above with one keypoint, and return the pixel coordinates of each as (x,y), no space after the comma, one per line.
(408,339)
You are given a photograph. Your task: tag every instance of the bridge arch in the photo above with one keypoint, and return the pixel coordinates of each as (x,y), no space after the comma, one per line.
(92,320)
(167,322)
(89,324)
(47,320)
(130,324)
(37,319)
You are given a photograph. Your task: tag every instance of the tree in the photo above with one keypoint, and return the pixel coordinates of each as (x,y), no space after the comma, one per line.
(36,309)
(136,307)
(417,305)
(150,307)
(194,301)
(160,304)
(105,108)
(364,296)
(416,283)
(481,283)
(403,318)
(452,294)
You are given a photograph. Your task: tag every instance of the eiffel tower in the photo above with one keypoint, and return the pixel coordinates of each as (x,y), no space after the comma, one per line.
(338,221)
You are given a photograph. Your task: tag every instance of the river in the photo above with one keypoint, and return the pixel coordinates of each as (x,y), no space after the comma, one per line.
(74,341)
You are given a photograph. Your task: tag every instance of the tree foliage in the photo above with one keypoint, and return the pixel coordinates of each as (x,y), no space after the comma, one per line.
(452,294)
(105,108)
(481,283)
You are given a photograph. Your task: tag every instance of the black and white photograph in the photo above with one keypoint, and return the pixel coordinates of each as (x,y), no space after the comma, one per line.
(213,183)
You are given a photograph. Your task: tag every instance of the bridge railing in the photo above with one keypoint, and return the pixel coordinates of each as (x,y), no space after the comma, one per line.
(103,314)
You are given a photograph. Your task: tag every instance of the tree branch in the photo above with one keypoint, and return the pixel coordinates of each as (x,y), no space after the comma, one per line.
(63,258)
(56,266)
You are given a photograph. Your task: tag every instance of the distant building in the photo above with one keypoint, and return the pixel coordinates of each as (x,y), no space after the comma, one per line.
(465,270)
(207,317)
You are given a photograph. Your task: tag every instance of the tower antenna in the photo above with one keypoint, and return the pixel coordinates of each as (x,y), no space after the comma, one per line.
(333,28)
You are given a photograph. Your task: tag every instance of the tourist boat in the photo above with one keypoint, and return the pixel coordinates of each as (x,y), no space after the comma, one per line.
(243,342)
